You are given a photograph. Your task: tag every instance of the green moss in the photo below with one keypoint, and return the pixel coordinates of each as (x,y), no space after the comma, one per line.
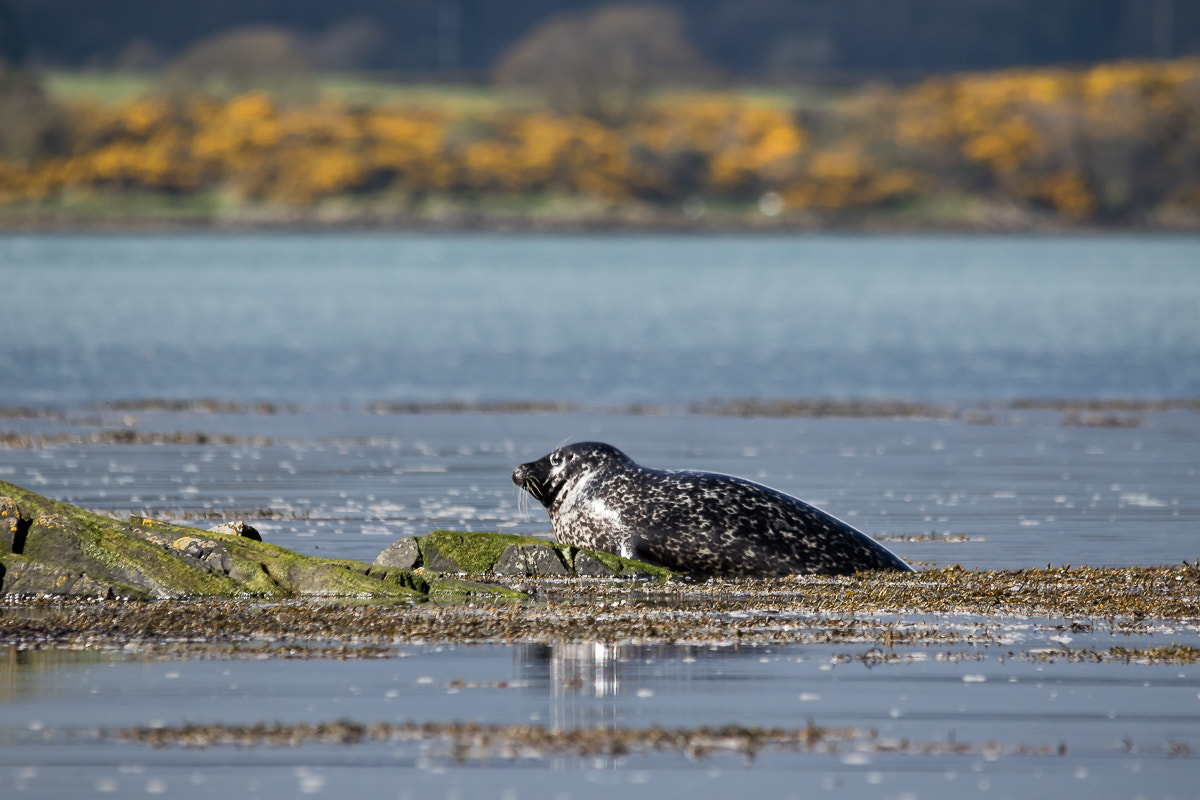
(108,551)
(255,579)
(626,566)
(407,580)
(304,575)
(476,553)
(268,570)
(145,557)
(22,572)
(139,554)
(131,555)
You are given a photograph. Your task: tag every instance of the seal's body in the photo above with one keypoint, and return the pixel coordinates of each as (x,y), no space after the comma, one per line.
(702,523)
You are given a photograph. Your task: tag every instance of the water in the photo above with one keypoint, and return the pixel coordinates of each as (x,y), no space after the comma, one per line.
(325,326)
(977,702)
(603,321)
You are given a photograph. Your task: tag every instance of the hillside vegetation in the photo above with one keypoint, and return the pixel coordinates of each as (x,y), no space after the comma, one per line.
(1114,143)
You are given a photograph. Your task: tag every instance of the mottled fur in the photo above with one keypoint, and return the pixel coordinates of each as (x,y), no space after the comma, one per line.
(697,522)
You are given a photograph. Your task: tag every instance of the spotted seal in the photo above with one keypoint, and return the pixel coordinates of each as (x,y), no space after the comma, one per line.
(703,523)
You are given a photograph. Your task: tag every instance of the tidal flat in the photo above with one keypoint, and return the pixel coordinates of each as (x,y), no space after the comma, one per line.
(1007,679)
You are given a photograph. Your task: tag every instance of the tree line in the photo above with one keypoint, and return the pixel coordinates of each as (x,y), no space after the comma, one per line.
(757,39)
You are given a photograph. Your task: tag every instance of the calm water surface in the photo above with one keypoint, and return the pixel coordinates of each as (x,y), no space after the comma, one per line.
(1107,727)
(599,320)
(325,325)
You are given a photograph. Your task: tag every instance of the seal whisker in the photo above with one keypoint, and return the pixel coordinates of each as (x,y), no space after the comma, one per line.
(529,489)
(522,501)
(534,487)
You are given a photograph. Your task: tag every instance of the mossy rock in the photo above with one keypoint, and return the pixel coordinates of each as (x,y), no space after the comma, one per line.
(53,548)
(479,553)
(58,549)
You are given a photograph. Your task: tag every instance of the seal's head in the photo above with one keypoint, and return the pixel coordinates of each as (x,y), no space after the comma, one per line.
(554,474)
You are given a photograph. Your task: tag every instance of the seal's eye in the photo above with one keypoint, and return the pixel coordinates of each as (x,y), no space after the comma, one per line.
(556,459)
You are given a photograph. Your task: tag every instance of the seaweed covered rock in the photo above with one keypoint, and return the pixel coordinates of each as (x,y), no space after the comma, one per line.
(507,555)
(47,547)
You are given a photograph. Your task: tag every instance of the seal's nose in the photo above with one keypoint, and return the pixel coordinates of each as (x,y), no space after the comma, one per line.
(519,474)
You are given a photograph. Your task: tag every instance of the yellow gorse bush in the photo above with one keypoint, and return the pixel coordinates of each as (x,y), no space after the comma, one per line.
(540,151)
(260,151)
(733,147)
(1104,140)
(1114,137)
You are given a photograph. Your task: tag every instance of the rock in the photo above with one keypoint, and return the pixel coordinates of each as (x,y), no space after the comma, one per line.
(30,577)
(238,528)
(529,560)
(587,566)
(473,553)
(53,548)
(402,554)
(509,555)
(203,553)
(69,551)
(434,561)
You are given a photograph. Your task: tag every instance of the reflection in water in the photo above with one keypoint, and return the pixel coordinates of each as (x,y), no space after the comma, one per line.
(17,664)
(588,680)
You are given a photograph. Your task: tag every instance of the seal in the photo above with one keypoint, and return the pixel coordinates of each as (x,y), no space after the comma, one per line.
(703,523)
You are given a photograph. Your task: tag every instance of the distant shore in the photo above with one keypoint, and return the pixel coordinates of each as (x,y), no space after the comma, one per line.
(633,221)
(1046,149)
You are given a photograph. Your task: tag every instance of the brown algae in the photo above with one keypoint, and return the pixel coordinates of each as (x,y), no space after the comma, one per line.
(933,607)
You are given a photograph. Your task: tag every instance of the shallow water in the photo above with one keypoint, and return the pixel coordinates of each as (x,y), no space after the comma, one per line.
(325,325)
(1104,730)
(1020,493)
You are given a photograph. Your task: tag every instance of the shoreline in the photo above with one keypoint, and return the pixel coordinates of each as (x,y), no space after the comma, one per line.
(618,221)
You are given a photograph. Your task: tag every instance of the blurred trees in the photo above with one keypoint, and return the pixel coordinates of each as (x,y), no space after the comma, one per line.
(1115,142)
(353,44)
(601,64)
(261,58)
(745,38)
(30,125)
